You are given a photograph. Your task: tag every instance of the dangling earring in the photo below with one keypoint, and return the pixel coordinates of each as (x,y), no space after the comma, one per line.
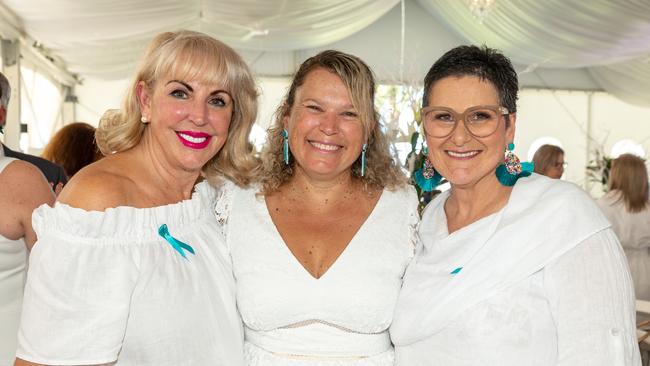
(512,168)
(427,178)
(363,159)
(285,150)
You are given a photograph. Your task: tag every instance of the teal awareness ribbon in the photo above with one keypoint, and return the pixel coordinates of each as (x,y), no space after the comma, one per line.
(178,245)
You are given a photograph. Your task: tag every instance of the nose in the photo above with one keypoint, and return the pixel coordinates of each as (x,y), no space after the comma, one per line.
(328,124)
(460,135)
(198,113)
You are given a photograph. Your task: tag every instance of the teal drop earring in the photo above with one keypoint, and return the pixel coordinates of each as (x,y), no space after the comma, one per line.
(363,159)
(285,144)
(427,177)
(512,168)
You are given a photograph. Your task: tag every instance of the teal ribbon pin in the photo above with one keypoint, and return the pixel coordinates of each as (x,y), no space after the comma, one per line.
(178,245)
(456,270)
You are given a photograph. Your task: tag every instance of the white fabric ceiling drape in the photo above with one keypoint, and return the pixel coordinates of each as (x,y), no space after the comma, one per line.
(610,37)
(103,37)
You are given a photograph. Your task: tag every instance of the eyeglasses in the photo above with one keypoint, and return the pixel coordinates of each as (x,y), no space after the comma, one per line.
(480,121)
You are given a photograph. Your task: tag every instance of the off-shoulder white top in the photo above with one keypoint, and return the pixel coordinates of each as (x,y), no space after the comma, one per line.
(106,286)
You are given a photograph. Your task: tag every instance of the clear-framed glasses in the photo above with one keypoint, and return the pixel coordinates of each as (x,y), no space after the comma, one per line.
(480,121)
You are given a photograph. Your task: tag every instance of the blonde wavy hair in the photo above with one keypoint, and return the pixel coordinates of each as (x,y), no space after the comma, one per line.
(381,169)
(188,55)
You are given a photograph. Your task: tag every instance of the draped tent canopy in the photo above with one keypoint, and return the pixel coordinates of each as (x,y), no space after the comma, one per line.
(609,37)
(102,38)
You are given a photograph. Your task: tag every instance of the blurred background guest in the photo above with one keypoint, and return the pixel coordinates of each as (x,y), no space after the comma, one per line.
(54,174)
(549,161)
(626,206)
(22,189)
(73,147)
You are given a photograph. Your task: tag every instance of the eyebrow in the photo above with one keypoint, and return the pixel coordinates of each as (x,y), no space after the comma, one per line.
(347,106)
(192,89)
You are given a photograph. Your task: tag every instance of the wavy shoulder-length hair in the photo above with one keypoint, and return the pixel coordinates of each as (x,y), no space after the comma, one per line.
(381,170)
(73,147)
(188,55)
(628,178)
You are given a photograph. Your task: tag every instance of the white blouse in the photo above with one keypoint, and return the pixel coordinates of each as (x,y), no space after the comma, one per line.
(633,230)
(107,286)
(292,318)
(541,282)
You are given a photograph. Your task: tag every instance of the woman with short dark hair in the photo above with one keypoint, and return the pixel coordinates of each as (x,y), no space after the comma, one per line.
(514,268)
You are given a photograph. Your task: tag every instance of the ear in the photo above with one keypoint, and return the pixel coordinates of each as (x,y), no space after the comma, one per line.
(144,98)
(285,122)
(511,127)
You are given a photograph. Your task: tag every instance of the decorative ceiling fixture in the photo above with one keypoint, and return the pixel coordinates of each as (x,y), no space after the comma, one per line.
(480,8)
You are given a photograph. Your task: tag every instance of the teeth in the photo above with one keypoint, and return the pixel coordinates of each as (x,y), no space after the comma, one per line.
(324,146)
(462,155)
(195,140)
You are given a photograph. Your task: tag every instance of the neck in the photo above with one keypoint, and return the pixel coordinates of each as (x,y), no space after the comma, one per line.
(467,204)
(173,182)
(320,191)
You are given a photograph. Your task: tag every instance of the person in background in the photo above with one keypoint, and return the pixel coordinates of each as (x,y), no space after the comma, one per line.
(319,247)
(549,161)
(22,189)
(130,267)
(514,268)
(627,208)
(73,147)
(54,174)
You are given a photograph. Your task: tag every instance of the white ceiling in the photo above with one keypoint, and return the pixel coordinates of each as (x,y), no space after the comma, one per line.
(599,43)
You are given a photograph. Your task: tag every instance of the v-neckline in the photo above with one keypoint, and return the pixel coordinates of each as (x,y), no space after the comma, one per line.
(341,255)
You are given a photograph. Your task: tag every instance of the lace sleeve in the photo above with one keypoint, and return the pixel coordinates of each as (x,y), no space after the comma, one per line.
(223,205)
(413,218)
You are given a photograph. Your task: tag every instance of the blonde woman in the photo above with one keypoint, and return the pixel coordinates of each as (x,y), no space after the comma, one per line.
(130,268)
(320,247)
(626,207)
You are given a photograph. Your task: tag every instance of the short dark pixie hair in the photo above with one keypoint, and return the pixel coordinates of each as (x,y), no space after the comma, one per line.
(483,62)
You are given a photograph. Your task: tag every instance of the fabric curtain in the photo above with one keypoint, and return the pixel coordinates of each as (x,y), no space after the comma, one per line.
(609,37)
(102,38)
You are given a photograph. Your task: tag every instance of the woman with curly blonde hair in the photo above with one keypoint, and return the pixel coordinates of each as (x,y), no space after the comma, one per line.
(320,245)
(130,267)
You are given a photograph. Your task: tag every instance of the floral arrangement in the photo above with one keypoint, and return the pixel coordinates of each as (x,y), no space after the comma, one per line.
(599,167)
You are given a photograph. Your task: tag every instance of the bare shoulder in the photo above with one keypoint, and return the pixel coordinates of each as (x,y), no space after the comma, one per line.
(21,170)
(26,183)
(97,187)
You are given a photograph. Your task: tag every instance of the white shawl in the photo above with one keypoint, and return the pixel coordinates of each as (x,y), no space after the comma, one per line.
(544,218)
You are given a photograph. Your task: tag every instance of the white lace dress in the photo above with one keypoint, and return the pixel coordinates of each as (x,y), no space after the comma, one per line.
(342,319)
(107,286)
